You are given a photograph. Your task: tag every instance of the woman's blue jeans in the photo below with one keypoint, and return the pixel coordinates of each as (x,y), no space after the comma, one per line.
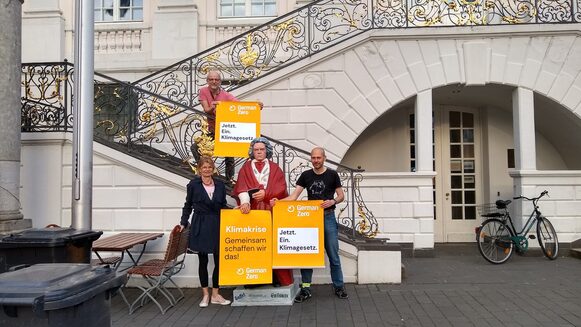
(332,250)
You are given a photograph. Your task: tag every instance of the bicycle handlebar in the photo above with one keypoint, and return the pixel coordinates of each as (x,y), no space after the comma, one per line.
(543,193)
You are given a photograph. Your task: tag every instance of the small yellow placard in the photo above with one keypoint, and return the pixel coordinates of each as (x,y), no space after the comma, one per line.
(298,234)
(245,247)
(237,123)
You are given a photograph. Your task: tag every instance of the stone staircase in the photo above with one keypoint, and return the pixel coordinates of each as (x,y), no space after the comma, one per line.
(575,250)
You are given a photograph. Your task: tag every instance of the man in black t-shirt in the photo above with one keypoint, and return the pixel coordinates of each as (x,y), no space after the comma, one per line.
(322,183)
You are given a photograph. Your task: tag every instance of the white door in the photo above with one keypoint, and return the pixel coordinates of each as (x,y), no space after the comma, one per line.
(457,185)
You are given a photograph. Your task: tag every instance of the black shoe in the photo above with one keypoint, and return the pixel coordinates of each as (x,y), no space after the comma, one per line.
(303,295)
(340,292)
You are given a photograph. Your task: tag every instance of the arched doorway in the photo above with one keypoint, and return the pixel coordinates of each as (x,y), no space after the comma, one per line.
(473,144)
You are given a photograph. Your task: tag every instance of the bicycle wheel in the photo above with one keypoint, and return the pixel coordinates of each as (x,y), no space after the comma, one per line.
(494,241)
(547,238)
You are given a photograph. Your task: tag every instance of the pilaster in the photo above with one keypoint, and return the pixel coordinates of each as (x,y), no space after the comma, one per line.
(175,30)
(10,61)
(423,121)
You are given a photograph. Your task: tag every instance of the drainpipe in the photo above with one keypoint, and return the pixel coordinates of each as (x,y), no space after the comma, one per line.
(82,197)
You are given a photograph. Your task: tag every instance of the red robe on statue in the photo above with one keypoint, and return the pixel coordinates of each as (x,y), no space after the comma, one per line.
(276,188)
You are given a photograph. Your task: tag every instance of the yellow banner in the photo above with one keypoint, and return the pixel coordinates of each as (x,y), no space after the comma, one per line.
(298,234)
(245,247)
(237,123)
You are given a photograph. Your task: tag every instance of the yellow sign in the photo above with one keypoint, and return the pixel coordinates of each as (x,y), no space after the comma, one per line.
(245,247)
(237,123)
(298,234)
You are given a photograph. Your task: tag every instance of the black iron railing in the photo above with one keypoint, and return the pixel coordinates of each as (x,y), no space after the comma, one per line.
(160,131)
(46,97)
(325,23)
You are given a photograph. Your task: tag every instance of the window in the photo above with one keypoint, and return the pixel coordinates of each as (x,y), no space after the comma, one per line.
(243,8)
(118,10)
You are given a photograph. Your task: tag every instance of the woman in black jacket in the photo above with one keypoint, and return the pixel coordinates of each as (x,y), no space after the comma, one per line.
(206,197)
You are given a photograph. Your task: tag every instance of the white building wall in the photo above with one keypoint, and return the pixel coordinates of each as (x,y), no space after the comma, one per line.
(562,206)
(497,140)
(384,145)
(128,194)
(402,205)
(41,177)
(43,31)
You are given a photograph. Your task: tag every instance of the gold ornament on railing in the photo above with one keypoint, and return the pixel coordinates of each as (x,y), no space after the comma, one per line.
(205,141)
(249,57)
(365,224)
(203,145)
(214,56)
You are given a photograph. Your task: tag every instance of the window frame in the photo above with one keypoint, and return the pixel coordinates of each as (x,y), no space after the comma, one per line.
(248,4)
(117,12)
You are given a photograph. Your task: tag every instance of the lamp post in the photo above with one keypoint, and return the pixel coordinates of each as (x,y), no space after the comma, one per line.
(82,183)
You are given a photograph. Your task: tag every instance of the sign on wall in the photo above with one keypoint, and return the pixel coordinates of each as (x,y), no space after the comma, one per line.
(298,234)
(237,123)
(245,247)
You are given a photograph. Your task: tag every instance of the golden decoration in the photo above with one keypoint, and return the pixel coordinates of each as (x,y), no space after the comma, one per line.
(205,142)
(249,57)
(365,224)
(284,25)
(211,57)
(164,109)
(203,145)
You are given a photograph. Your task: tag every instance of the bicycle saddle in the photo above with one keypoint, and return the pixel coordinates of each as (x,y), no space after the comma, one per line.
(501,204)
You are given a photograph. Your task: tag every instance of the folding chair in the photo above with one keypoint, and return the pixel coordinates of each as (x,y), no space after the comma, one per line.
(157,272)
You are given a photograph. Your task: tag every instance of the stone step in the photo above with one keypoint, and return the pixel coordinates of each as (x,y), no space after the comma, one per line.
(575,252)
(265,295)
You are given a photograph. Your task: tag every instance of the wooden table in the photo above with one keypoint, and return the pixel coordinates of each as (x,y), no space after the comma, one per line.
(123,243)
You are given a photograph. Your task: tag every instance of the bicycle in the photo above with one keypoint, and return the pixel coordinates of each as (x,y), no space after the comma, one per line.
(497,236)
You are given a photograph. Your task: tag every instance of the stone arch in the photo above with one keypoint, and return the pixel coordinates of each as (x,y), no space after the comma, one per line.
(336,95)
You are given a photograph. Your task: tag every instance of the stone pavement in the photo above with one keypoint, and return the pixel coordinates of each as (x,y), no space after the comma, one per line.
(455,288)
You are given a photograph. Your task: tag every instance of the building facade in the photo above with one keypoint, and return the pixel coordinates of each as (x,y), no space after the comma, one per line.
(443,115)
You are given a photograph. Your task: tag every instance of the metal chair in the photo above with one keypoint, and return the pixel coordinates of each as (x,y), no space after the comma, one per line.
(158,272)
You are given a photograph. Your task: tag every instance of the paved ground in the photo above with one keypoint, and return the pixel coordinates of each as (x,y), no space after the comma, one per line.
(452,289)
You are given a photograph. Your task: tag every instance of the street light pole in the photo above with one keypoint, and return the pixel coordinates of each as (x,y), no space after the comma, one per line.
(82,184)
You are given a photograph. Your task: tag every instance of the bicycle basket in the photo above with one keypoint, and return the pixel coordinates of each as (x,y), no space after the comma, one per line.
(489,210)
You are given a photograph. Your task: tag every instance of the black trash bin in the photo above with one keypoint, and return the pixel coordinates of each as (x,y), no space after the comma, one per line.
(46,245)
(58,294)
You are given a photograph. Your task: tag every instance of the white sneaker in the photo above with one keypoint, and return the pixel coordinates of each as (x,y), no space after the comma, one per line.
(221,301)
(204,302)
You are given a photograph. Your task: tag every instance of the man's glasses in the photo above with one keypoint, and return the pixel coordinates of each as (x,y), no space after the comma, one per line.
(212,79)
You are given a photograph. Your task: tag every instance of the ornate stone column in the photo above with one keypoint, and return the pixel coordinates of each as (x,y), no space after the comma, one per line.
(10,61)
